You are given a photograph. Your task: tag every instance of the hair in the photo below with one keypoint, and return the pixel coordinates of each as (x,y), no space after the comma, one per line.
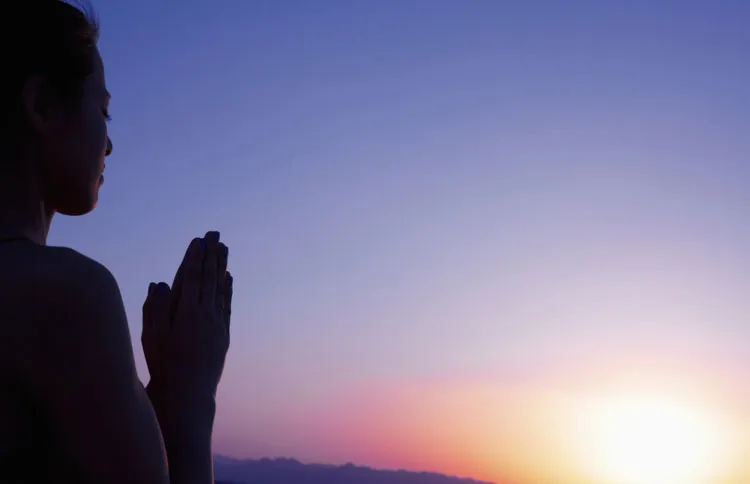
(53,39)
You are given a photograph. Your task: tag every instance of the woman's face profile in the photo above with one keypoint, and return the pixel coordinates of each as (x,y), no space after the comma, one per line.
(75,144)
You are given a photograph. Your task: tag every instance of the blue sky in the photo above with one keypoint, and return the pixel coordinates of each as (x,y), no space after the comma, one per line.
(420,190)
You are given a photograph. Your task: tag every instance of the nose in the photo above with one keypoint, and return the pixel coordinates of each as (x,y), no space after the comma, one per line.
(109,147)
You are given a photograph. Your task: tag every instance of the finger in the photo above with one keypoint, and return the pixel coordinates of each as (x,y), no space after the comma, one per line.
(227,295)
(212,237)
(147,301)
(176,291)
(160,309)
(187,252)
(191,275)
(210,270)
(176,284)
(180,276)
(222,255)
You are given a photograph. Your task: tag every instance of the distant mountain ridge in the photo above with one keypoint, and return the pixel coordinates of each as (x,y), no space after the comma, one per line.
(291,471)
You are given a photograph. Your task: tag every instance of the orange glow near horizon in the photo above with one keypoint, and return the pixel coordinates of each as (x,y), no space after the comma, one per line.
(556,431)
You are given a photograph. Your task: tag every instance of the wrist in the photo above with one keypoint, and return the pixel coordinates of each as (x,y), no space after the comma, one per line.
(181,404)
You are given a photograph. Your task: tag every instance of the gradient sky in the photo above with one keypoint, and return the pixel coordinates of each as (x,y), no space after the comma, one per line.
(445,217)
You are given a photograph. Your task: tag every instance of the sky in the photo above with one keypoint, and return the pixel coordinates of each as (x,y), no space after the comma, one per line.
(447,220)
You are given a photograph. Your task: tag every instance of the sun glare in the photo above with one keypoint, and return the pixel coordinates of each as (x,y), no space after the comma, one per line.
(648,439)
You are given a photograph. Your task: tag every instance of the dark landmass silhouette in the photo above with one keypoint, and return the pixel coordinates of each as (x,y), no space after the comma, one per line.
(290,471)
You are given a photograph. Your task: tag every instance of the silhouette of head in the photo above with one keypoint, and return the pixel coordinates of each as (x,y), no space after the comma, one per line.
(54,102)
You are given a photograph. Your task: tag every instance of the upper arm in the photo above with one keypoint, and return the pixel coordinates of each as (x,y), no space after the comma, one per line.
(85,381)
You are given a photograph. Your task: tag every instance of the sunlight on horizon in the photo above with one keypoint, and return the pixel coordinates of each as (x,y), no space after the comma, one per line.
(652,438)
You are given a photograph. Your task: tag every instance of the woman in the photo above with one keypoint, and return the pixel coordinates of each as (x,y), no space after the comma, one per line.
(71,406)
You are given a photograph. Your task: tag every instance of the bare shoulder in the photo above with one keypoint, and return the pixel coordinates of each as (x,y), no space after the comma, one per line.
(75,291)
(44,288)
(63,303)
(64,283)
(31,271)
(69,271)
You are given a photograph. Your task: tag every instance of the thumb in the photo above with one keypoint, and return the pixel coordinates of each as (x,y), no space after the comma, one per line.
(159,308)
(148,330)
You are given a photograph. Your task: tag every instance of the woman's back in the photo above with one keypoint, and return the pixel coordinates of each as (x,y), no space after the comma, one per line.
(29,452)
(20,442)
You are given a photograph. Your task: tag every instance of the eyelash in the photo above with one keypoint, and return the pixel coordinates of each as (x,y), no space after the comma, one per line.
(106,115)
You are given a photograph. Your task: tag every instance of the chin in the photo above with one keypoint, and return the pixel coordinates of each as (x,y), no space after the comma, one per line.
(77,211)
(80,205)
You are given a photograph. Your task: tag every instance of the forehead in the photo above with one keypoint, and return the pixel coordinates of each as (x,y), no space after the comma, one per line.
(96,79)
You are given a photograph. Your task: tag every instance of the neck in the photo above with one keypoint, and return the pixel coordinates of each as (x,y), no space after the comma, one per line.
(22,209)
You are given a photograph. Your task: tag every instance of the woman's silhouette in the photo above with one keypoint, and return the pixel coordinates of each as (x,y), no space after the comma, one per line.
(71,406)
